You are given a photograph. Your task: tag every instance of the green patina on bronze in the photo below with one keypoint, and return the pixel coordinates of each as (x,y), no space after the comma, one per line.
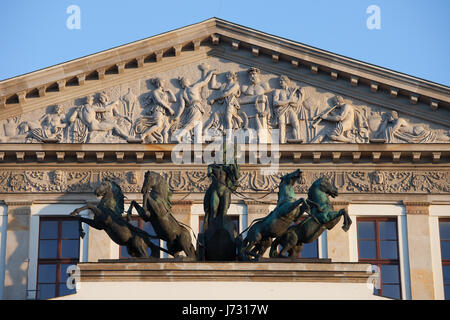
(288,210)
(108,217)
(217,242)
(156,209)
(322,216)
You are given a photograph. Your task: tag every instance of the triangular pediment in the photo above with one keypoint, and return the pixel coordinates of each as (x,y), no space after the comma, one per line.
(125,75)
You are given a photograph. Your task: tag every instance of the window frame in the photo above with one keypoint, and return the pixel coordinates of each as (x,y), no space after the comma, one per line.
(378,261)
(444,262)
(58,260)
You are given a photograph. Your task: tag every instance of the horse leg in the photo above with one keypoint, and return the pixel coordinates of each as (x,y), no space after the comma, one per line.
(95,224)
(290,239)
(347,220)
(273,253)
(264,245)
(141,211)
(296,250)
(186,244)
(139,247)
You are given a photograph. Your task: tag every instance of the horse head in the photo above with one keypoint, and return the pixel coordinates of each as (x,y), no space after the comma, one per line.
(112,195)
(103,188)
(293,177)
(150,180)
(327,187)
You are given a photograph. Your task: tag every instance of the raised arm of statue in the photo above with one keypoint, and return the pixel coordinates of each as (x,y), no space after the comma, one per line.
(213,84)
(203,82)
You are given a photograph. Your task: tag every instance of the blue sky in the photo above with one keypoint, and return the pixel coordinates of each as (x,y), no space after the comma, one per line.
(414,37)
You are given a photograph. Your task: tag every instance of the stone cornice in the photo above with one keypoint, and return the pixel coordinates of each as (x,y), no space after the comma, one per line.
(331,60)
(105,271)
(211,33)
(18,203)
(437,154)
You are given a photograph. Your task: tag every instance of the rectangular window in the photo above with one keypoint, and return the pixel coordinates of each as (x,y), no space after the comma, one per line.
(444,233)
(59,248)
(378,245)
(147,227)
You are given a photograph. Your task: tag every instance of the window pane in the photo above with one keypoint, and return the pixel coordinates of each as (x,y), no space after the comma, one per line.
(446,274)
(389,274)
(70,230)
(444,230)
(388,249)
(147,227)
(235,220)
(391,291)
(367,249)
(69,248)
(309,250)
(388,230)
(445,250)
(47,273)
(48,230)
(366,230)
(124,252)
(46,291)
(47,249)
(63,290)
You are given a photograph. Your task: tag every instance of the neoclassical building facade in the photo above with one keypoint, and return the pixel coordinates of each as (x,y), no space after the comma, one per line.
(160,104)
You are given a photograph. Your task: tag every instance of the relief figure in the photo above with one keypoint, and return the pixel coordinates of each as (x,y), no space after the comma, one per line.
(228,93)
(351,125)
(397,130)
(286,102)
(50,127)
(256,94)
(192,105)
(155,126)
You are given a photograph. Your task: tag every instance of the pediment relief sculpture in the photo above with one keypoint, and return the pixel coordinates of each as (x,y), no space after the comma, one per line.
(196,102)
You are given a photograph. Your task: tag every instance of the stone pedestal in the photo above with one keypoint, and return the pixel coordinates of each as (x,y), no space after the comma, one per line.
(165,279)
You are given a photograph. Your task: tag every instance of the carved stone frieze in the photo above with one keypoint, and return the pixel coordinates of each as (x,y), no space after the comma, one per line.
(210,98)
(196,181)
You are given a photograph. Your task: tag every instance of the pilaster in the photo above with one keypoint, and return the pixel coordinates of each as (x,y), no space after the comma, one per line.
(338,241)
(419,245)
(17,250)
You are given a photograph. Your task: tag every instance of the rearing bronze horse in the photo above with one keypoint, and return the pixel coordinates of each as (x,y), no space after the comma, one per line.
(322,217)
(156,209)
(288,209)
(108,217)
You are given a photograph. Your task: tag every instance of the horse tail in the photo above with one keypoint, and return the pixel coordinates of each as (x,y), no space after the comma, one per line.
(153,246)
(253,222)
(185,225)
